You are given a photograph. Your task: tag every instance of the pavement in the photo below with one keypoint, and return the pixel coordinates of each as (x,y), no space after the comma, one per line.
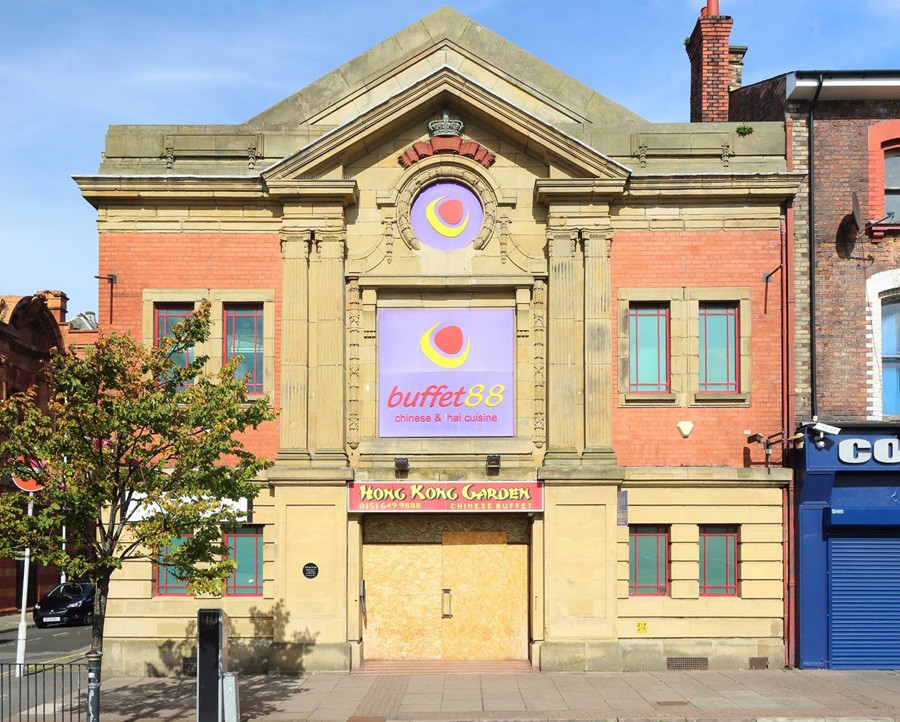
(739,695)
(764,695)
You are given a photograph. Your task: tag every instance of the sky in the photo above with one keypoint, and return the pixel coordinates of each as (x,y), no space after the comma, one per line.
(70,69)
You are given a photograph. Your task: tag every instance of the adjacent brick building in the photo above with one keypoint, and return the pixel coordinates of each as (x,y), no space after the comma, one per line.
(471,284)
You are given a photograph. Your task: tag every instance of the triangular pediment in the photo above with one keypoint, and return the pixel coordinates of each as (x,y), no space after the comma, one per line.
(446,89)
(445,38)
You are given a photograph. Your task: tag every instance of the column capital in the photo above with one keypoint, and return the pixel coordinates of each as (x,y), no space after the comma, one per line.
(561,242)
(295,244)
(597,242)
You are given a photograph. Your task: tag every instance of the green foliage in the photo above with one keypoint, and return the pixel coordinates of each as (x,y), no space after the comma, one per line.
(134,451)
(744,130)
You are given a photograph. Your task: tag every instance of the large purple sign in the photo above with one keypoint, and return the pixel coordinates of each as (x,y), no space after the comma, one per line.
(446,372)
(446,216)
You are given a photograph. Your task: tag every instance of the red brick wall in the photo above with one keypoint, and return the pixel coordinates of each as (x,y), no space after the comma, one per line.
(841,165)
(191,260)
(708,50)
(647,436)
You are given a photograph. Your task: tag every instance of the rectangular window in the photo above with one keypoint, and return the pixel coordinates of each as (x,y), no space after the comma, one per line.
(892,185)
(719,348)
(648,560)
(166,583)
(890,358)
(648,347)
(244,337)
(165,317)
(718,561)
(247,547)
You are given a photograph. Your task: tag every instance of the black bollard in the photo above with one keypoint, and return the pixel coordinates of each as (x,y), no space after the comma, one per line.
(93,665)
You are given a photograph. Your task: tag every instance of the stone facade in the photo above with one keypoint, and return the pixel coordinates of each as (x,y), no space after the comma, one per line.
(306,211)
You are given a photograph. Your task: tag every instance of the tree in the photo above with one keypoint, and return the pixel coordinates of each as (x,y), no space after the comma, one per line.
(137,447)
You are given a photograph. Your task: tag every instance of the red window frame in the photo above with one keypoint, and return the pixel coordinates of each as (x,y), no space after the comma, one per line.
(663,346)
(884,138)
(730,588)
(163,588)
(732,385)
(662,586)
(231,312)
(232,589)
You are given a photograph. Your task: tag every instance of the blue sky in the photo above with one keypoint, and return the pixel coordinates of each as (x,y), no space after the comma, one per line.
(69,69)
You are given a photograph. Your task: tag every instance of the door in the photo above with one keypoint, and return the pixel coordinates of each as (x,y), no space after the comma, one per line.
(864,602)
(464,599)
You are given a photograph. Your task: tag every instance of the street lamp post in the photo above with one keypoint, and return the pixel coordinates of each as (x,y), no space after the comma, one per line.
(23,625)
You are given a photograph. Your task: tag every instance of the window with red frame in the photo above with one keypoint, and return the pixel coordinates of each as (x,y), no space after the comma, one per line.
(718,561)
(167,584)
(165,318)
(648,348)
(244,337)
(892,184)
(719,348)
(648,560)
(246,546)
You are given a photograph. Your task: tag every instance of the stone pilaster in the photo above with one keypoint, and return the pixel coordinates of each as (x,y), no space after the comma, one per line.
(294,345)
(597,348)
(330,307)
(563,352)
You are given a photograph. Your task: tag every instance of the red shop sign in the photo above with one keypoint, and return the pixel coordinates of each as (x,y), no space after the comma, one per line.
(455,496)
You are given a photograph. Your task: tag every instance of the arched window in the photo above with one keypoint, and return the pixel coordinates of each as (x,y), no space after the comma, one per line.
(890,357)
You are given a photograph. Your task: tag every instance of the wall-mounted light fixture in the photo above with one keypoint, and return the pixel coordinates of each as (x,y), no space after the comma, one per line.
(492,461)
(401,464)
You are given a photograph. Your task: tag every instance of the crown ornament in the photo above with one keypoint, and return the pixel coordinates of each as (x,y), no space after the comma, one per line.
(446,126)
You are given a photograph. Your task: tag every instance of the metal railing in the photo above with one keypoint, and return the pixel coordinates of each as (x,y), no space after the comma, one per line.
(43,692)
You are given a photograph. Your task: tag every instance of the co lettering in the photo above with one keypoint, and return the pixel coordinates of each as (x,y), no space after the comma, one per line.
(861,451)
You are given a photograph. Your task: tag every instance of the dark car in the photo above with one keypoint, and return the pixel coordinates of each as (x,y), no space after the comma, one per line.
(69,603)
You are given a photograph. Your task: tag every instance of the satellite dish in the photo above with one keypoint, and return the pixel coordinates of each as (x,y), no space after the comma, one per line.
(857,212)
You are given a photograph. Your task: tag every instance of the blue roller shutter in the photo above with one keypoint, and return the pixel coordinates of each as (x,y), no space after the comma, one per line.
(864,603)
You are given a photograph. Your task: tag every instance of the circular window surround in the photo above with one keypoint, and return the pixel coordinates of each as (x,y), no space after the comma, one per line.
(446,168)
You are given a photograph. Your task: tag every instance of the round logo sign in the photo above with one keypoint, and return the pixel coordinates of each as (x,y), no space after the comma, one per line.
(28,484)
(446,216)
(445,345)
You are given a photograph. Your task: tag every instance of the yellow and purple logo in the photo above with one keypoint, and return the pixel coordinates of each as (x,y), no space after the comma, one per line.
(446,216)
(442,344)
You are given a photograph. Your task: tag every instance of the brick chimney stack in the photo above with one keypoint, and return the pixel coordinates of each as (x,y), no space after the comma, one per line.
(711,73)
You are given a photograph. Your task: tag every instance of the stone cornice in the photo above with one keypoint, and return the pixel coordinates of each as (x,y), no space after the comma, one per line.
(550,190)
(345,192)
(774,476)
(101,189)
(730,186)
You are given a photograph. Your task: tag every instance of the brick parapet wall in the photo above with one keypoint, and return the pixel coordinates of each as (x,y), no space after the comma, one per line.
(845,263)
(763,101)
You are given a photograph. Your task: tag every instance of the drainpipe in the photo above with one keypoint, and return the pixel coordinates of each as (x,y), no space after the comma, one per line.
(811,117)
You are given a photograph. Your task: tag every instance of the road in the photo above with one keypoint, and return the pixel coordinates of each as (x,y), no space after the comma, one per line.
(43,645)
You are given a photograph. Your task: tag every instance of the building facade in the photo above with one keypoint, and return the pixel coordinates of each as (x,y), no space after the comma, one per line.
(518,337)
(844,132)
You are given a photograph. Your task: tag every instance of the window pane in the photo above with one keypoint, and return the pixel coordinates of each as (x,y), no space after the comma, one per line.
(892,170)
(718,348)
(648,348)
(246,547)
(890,361)
(890,329)
(648,560)
(892,205)
(244,338)
(167,316)
(890,382)
(718,560)
(166,581)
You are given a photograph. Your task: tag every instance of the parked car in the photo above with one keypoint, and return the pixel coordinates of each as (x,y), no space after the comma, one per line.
(69,603)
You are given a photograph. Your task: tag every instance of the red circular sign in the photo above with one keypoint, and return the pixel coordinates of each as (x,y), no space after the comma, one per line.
(28,484)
